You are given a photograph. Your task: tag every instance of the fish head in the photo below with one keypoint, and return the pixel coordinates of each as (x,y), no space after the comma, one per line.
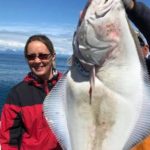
(98,32)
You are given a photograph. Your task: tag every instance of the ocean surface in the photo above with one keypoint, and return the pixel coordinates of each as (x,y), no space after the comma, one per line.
(13,68)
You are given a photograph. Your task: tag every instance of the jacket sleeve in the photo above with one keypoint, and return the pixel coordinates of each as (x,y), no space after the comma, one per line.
(11,126)
(140,16)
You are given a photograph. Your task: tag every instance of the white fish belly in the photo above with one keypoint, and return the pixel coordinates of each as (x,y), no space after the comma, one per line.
(104,44)
(105,124)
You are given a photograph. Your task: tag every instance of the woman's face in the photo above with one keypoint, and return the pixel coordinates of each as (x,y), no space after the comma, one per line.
(40,60)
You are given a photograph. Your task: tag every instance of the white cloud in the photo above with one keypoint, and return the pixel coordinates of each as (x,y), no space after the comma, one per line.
(14,37)
(8,44)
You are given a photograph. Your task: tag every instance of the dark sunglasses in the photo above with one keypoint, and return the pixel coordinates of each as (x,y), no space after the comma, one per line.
(41,56)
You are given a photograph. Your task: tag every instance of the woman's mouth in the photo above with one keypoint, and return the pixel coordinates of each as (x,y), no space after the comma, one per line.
(39,68)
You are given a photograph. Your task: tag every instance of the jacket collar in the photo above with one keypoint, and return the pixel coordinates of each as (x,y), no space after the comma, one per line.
(34,80)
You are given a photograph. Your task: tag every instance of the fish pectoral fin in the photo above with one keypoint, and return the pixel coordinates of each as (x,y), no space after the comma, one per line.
(54,111)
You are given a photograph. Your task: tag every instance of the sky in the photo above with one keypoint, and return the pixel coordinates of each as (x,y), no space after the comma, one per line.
(20,19)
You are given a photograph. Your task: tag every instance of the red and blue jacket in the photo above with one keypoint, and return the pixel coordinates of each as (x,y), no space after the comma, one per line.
(23,125)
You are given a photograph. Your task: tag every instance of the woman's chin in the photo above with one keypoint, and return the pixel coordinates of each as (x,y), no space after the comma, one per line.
(39,73)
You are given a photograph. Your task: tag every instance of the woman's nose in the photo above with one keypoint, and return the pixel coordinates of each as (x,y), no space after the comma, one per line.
(37,59)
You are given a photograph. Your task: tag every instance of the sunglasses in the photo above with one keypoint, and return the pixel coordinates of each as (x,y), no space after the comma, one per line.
(41,56)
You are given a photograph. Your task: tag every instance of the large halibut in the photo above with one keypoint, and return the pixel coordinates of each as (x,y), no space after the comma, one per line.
(101,103)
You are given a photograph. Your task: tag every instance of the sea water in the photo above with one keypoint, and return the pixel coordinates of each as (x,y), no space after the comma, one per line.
(13,68)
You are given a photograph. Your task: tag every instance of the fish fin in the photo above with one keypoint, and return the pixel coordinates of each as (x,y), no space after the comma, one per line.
(54,111)
(142,126)
(69,60)
(92,83)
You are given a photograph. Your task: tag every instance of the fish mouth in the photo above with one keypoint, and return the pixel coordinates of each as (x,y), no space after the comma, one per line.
(102,8)
(97,36)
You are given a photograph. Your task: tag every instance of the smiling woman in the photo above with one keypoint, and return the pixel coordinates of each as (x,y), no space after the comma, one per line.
(26,127)
(40,54)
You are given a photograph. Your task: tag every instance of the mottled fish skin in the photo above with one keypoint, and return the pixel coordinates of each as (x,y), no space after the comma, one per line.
(103,41)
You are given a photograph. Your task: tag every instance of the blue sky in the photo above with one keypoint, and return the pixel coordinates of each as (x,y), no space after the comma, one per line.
(55,18)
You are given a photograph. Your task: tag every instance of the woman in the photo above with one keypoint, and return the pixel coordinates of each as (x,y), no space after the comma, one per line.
(23,126)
